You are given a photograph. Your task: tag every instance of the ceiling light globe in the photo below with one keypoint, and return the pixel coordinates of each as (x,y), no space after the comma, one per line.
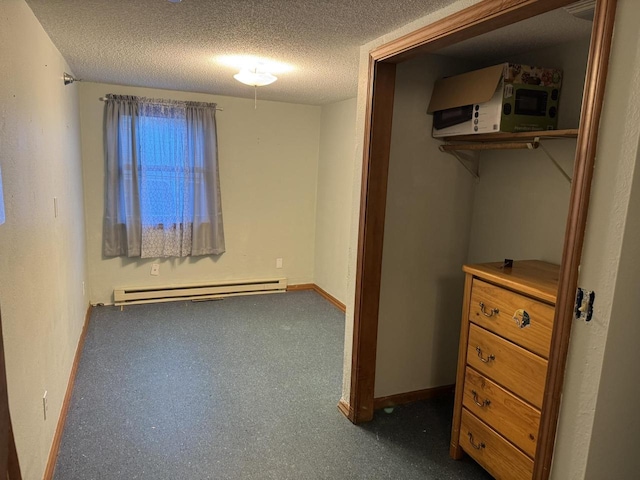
(255,79)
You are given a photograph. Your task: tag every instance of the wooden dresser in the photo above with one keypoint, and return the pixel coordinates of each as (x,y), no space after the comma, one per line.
(507,319)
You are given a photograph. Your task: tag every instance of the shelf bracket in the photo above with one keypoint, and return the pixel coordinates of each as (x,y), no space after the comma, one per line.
(453,149)
(462,160)
(555,162)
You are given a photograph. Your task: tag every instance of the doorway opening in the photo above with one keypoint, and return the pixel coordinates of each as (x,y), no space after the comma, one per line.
(384,68)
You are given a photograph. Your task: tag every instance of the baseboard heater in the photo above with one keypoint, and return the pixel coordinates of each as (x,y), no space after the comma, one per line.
(199,291)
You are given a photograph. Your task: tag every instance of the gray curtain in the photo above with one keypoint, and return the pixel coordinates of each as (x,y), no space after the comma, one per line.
(162,183)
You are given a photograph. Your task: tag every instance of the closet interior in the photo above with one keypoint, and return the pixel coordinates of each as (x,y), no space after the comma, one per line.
(448,206)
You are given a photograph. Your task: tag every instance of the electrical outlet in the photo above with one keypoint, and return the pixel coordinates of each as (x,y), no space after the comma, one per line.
(155,269)
(278,263)
(45,404)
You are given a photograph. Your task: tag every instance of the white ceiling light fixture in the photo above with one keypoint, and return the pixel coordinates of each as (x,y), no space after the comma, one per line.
(253,62)
(255,77)
(254,71)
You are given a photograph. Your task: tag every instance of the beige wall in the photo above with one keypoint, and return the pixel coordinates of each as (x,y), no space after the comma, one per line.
(335,177)
(521,204)
(42,264)
(268,175)
(616,158)
(426,239)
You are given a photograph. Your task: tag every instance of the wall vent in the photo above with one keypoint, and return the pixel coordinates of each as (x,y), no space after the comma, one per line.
(199,291)
(583,9)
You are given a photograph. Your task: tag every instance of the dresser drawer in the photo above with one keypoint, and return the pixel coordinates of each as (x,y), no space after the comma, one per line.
(494,453)
(514,419)
(494,308)
(512,367)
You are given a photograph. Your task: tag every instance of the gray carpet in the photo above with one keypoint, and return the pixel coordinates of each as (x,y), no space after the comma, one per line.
(243,388)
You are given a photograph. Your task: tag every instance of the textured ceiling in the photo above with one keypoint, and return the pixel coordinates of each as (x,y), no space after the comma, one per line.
(155,43)
(535,33)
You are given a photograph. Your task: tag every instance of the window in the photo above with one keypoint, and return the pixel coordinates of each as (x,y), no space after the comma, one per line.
(163,196)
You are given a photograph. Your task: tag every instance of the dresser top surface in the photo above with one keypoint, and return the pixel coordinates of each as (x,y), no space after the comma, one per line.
(532,277)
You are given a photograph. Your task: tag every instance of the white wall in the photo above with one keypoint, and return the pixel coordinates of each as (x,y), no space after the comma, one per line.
(268,174)
(613,449)
(610,197)
(601,269)
(335,177)
(426,239)
(42,264)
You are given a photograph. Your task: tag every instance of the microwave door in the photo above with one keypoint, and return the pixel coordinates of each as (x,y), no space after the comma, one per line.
(452,116)
(531,102)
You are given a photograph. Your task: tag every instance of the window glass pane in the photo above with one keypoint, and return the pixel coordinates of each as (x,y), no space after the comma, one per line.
(163,172)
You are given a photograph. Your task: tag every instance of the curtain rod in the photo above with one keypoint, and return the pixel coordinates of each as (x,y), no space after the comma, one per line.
(104,99)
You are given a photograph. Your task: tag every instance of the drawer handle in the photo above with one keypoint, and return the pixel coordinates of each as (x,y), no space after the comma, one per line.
(492,312)
(482,359)
(485,402)
(478,446)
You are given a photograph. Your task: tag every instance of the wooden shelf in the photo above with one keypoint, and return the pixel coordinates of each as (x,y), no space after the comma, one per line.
(504,141)
(513,137)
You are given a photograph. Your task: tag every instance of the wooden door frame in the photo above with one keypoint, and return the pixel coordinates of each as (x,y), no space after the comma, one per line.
(470,22)
(9,464)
